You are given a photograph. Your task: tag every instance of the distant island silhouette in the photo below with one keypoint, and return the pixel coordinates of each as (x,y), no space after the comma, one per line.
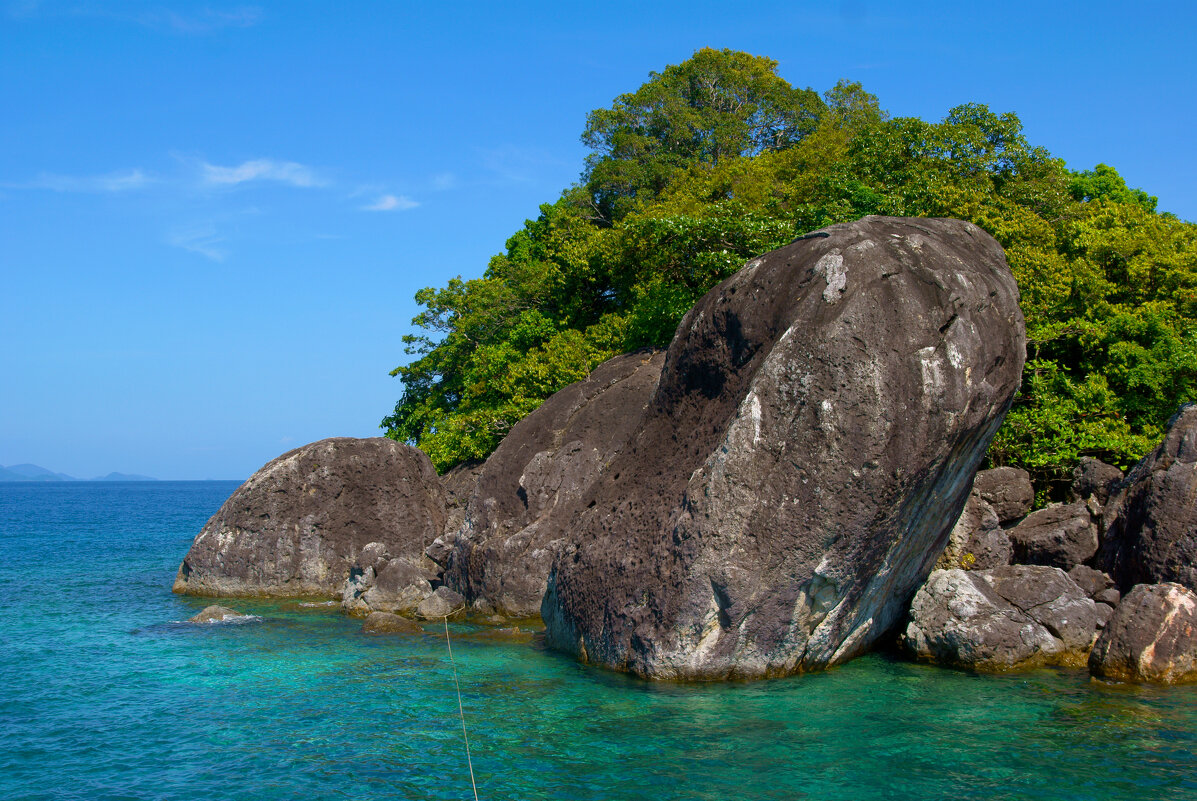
(32,472)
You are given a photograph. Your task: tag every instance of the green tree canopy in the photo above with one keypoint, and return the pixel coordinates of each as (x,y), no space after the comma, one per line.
(719,104)
(717,160)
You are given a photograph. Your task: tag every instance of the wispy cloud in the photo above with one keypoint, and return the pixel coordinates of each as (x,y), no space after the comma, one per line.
(202,239)
(511,164)
(391,203)
(287,172)
(204,20)
(444,181)
(123,181)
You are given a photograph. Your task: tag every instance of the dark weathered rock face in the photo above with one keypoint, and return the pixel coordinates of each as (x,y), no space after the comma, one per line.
(459,484)
(977,541)
(1007,489)
(814,436)
(1093,478)
(297,525)
(1062,535)
(1151,520)
(1012,617)
(500,558)
(1152,636)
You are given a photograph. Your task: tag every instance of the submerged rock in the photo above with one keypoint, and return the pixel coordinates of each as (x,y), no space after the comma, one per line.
(813,437)
(387,623)
(1151,519)
(1012,617)
(500,558)
(217,614)
(297,525)
(1151,637)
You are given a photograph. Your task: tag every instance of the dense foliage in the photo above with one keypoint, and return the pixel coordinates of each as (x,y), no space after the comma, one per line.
(717,160)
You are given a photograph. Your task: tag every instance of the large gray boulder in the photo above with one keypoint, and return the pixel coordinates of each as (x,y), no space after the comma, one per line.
(1151,637)
(1151,519)
(813,438)
(1012,617)
(297,525)
(500,558)
(1061,535)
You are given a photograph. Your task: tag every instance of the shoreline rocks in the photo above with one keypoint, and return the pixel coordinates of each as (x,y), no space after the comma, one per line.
(814,435)
(296,526)
(1151,637)
(1008,618)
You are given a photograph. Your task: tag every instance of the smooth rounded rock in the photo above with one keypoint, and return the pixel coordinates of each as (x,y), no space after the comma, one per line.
(1061,535)
(1007,489)
(296,527)
(444,602)
(1093,478)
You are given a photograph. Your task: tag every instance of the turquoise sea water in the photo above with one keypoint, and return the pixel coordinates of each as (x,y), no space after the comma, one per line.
(104,695)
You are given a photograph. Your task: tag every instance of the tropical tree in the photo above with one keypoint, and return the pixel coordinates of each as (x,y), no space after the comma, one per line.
(718,159)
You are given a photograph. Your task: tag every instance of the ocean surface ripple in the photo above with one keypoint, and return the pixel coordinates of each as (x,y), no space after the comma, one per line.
(105,695)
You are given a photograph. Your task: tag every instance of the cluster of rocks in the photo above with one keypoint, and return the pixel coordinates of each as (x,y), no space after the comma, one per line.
(1017,589)
(764,498)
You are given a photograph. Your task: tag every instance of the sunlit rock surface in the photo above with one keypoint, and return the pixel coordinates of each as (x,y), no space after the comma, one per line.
(813,438)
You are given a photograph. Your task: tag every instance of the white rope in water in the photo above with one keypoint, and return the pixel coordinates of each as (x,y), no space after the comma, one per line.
(460,710)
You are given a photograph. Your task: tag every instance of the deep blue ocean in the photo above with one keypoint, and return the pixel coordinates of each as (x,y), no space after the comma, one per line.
(104,694)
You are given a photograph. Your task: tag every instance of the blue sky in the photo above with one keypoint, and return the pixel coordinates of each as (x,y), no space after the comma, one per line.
(214,216)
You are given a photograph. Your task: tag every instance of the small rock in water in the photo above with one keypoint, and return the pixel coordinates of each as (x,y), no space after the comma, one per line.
(295,528)
(215,614)
(387,623)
